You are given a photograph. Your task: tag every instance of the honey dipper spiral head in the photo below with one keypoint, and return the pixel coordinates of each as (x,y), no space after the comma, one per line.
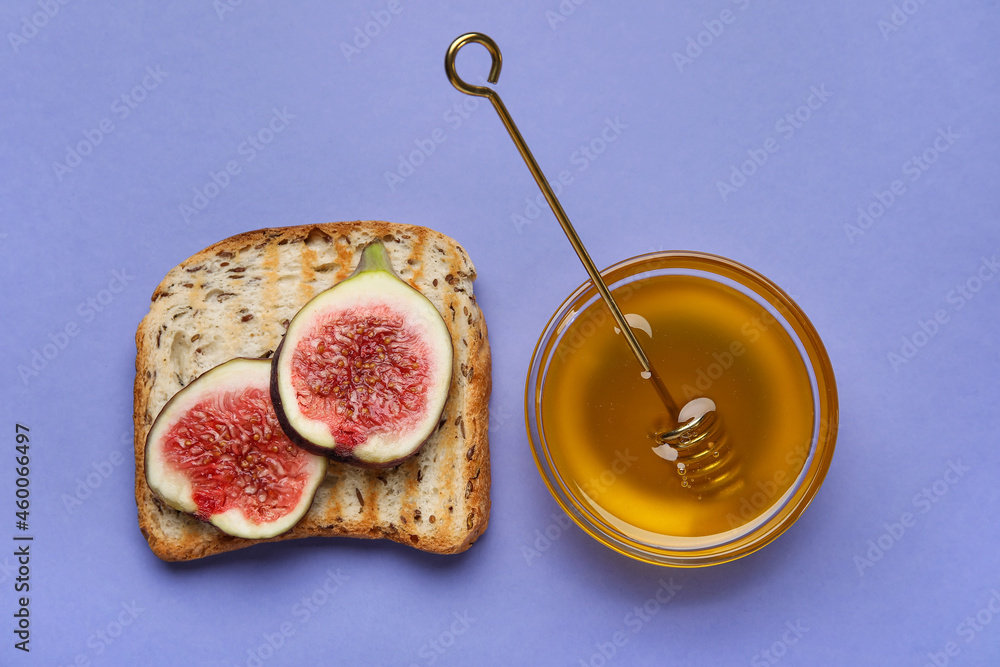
(700,446)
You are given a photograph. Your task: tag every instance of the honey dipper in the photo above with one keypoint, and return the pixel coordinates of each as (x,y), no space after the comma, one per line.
(696,439)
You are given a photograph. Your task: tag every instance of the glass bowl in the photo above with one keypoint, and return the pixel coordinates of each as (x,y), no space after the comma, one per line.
(711,327)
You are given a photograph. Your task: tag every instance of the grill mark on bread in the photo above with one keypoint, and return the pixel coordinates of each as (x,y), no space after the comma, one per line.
(416,264)
(270,299)
(446,480)
(371,508)
(307,257)
(333,477)
(344,258)
(416,273)
(410,474)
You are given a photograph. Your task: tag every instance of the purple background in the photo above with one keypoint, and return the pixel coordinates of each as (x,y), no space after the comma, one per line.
(889,91)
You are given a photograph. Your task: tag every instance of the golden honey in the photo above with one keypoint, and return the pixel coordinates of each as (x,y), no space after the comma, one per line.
(596,417)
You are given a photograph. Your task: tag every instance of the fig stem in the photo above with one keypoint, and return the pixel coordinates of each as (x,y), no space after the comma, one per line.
(374,257)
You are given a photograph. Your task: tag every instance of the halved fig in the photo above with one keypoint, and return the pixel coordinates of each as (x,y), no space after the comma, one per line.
(216,450)
(363,371)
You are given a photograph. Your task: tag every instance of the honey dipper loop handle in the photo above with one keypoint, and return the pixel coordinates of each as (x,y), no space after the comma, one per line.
(550,196)
(456,80)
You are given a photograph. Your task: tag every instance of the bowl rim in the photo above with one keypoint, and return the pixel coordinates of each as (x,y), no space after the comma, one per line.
(785,510)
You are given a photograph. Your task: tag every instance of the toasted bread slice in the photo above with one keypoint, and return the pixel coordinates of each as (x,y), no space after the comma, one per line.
(235,298)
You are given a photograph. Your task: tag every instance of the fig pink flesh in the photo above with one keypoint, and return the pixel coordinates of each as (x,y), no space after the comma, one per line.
(234,452)
(360,371)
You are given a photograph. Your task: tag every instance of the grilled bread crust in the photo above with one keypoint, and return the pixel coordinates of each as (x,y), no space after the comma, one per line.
(235,298)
